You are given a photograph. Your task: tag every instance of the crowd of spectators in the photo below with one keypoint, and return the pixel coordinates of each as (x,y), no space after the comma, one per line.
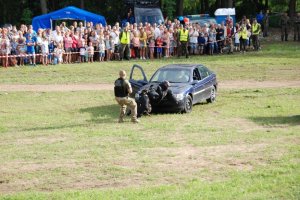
(91,43)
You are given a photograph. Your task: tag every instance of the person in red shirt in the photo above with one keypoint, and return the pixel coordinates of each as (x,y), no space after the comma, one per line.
(159,43)
(68,41)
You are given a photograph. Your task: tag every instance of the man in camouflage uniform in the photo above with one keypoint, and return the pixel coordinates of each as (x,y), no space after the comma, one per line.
(296,24)
(284,24)
(122,89)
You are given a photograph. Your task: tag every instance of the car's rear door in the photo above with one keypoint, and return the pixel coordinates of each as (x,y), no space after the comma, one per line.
(137,78)
(198,86)
(206,81)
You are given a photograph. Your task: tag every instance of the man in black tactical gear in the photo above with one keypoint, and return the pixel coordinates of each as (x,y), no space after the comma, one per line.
(159,93)
(122,89)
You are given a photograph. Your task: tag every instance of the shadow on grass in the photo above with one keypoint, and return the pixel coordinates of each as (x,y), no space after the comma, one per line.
(55,127)
(289,120)
(102,114)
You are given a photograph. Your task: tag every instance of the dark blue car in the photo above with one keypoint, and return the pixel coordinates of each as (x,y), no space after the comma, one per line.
(190,84)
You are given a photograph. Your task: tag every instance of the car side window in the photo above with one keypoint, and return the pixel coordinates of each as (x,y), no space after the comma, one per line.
(204,72)
(196,75)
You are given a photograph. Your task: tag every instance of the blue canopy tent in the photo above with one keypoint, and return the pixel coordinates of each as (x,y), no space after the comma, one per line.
(68,13)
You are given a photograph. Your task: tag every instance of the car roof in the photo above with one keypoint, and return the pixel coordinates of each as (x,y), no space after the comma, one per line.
(177,66)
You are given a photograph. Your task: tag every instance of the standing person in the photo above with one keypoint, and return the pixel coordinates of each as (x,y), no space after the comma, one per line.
(101,47)
(297,27)
(122,89)
(166,42)
(159,44)
(284,24)
(266,24)
(125,43)
(136,44)
(90,51)
(183,41)
(4,47)
(193,39)
(243,37)
(45,49)
(68,41)
(107,48)
(21,49)
(143,43)
(30,49)
(255,32)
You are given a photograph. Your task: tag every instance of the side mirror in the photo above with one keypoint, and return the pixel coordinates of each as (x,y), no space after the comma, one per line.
(194,82)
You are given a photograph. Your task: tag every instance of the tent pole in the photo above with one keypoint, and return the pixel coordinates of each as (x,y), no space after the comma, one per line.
(51,24)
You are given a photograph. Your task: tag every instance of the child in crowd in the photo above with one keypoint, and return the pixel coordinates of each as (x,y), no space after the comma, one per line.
(82,52)
(107,47)
(21,49)
(58,54)
(159,44)
(228,48)
(112,44)
(101,49)
(237,41)
(151,47)
(136,44)
(45,50)
(90,51)
(30,49)
(51,51)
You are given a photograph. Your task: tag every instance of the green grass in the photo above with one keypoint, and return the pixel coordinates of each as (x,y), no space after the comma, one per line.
(68,145)
(277,61)
(246,145)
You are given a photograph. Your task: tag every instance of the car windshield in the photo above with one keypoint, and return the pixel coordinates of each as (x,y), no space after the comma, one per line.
(172,75)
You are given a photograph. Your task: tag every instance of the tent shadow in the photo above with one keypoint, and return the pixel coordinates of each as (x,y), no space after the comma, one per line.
(280,120)
(102,114)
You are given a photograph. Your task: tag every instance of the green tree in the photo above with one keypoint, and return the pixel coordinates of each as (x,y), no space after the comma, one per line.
(26,16)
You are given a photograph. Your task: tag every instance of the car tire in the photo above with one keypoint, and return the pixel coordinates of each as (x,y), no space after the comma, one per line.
(212,97)
(188,104)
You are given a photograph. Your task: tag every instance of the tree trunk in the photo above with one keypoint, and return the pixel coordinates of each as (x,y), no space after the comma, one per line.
(267,4)
(43,6)
(230,4)
(206,5)
(292,8)
(202,7)
(179,7)
(218,3)
(82,4)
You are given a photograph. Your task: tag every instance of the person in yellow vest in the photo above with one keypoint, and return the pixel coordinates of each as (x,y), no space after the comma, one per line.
(125,43)
(256,28)
(183,38)
(243,37)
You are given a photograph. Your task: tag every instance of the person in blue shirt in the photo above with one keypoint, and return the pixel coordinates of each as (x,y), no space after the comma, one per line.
(30,49)
(259,17)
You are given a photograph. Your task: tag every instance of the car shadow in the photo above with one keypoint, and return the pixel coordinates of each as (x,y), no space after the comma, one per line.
(289,120)
(102,114)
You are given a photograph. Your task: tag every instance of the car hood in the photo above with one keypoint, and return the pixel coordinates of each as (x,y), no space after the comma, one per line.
(176,88)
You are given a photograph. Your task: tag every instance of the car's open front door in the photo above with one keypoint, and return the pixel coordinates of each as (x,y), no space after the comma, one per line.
(137,78)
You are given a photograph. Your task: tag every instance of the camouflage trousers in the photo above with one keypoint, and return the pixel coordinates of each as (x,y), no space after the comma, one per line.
(124,102)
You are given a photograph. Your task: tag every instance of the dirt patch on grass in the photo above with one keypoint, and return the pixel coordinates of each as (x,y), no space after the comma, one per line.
(238,84)
(156,166)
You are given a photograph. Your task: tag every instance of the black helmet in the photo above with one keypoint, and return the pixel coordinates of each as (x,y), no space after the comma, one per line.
(165,85)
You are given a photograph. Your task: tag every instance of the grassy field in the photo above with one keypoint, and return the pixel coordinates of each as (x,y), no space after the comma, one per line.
(67,145)
(275,62)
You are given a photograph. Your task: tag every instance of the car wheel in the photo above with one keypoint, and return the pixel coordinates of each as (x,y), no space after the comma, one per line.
(212,97)
(188,104)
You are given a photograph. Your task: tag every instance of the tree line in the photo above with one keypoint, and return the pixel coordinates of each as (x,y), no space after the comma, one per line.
(22,11)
